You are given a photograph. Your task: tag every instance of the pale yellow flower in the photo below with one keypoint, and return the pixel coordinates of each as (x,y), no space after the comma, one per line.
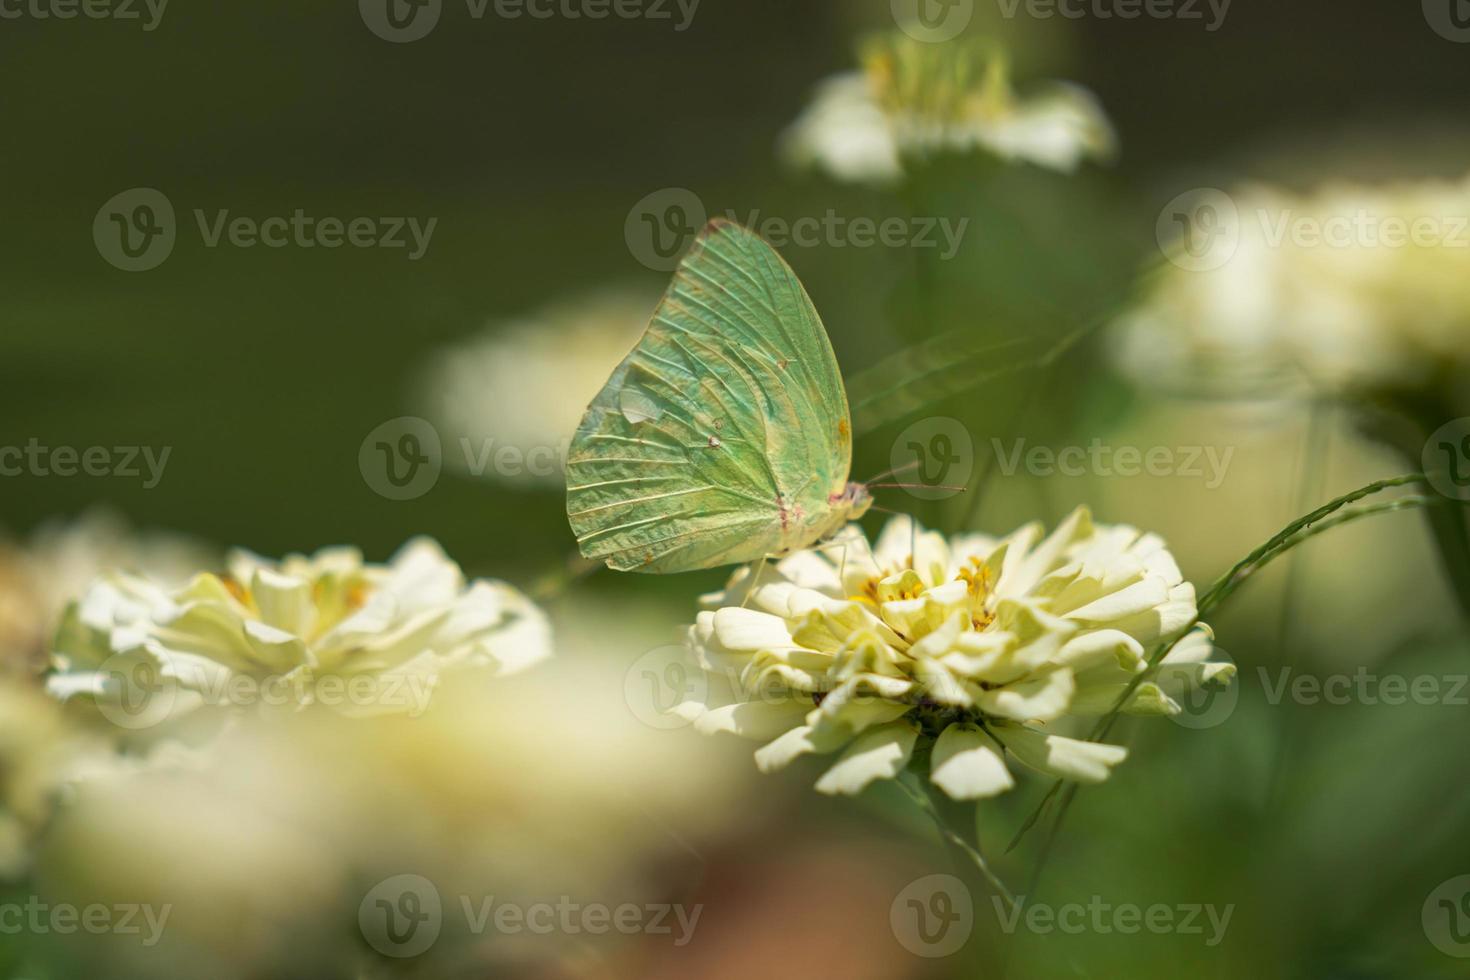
(507,402)
(914,100)
(329,629)
(1350,288)
(984,646)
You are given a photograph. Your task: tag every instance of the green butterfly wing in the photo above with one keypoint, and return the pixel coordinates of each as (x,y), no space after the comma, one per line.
(722,437)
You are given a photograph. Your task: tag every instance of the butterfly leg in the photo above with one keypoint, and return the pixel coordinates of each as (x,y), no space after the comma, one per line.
(759,568)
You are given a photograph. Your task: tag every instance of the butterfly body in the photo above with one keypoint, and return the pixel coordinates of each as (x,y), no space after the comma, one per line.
(724,437)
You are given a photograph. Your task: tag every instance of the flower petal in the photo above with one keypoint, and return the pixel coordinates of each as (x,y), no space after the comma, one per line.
(750,631)
(1068,758)
(750,719)
(796,743)
(1040,696)
(880,754)
(967,766)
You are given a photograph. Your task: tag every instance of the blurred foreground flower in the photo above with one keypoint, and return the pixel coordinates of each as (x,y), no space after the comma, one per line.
(1354,288)
(39,578)
(507,791)
(974,643)
(329,629)
(35,749)
(508,402)
(914,100)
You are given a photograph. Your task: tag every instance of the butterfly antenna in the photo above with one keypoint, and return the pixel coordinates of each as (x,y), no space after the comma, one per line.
(893,472)
(915,486)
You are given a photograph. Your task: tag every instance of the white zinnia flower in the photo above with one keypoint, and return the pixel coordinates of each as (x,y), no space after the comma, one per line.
(331,629)
(914,99)
(981,645)
(509,401)
(51,568)
(1350,287)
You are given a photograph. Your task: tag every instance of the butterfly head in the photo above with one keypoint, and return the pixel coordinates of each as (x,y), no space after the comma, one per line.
(852,502)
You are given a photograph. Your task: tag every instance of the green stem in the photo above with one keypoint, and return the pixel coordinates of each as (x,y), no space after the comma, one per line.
(1308,488)
(1324,518)
(1424,413)
(1287,537)
(1451,534)
(957,840)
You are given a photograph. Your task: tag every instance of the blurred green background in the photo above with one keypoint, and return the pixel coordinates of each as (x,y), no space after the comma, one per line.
(529,142)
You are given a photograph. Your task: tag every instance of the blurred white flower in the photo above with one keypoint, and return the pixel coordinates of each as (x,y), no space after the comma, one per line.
(508,402)
(39,577)
(538,788)
(329,629)
(914,100)
(35,750)
(981,645)
(230,864)
(1349,288)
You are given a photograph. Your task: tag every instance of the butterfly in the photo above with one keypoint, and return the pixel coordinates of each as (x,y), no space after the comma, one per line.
(725,436)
